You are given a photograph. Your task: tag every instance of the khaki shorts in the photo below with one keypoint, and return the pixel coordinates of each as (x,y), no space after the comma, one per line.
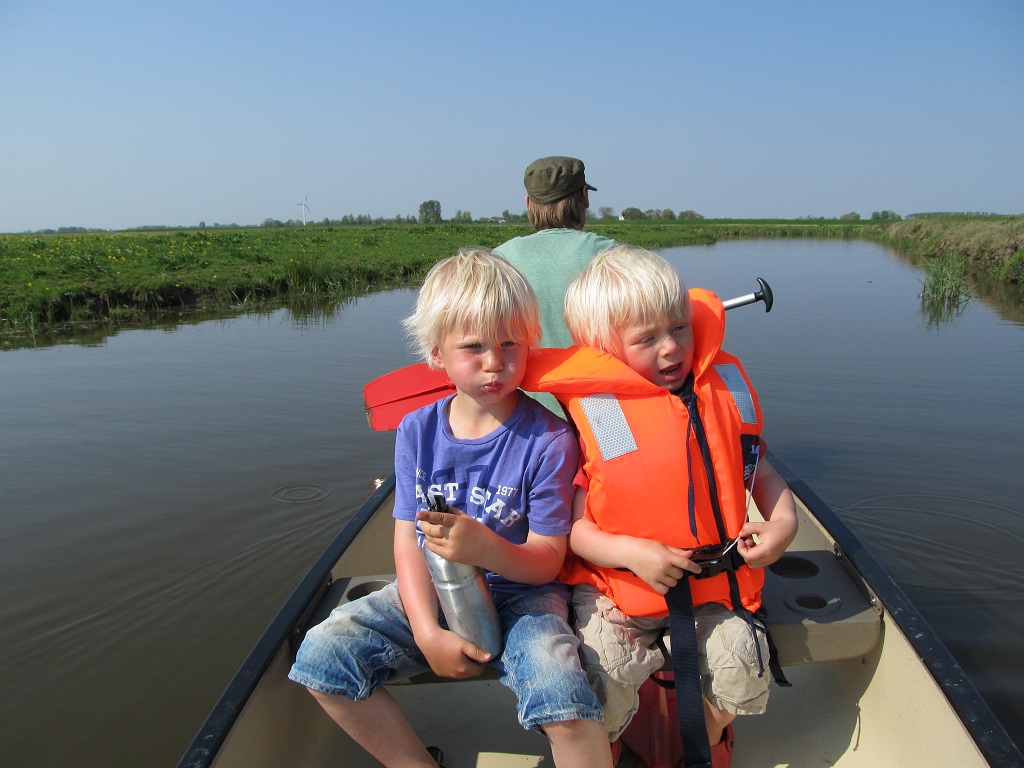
(619,653)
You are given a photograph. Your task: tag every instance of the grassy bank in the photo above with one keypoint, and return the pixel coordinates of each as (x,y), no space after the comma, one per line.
(991,246)
(50,280)
(47,280)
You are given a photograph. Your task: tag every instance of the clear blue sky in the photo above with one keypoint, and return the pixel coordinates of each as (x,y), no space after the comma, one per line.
(123,113)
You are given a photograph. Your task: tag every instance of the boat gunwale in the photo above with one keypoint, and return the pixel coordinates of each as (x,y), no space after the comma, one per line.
(977,717)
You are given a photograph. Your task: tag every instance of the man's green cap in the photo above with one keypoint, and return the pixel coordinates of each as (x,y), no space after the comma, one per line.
(550,179)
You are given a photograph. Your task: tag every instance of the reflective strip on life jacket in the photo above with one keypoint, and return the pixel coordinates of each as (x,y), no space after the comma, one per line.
(737,386)
(608,422)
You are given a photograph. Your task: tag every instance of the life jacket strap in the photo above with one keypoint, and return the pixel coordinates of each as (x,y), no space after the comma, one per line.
(689,696)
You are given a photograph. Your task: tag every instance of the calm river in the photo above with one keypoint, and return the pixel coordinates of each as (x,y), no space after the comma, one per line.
(164,490)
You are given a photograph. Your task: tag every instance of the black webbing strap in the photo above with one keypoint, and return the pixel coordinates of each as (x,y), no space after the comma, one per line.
(689,697)
(689,399)
(773,654)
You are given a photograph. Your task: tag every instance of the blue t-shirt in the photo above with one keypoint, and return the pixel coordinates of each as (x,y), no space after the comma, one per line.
(515,480)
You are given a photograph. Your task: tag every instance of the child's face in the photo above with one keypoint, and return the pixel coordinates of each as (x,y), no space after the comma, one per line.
(486,371)
(662,353)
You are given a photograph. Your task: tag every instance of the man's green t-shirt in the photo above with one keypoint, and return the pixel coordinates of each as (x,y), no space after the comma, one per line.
(549,260)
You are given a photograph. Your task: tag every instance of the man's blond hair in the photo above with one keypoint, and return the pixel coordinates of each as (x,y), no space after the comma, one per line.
(568,213)
(475,290)
(623,286)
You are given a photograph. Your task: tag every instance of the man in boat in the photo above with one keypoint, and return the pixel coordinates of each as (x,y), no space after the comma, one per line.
(557,199)
(670,429)
(504,464)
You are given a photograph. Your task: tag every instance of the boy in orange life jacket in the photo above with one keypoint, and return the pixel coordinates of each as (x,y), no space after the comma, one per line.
(650,389)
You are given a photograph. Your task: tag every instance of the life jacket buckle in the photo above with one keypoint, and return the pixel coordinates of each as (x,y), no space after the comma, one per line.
(716,558)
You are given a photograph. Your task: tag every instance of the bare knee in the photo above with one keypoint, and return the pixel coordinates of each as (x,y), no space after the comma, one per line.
(337,707)
(581,743)
(321,697)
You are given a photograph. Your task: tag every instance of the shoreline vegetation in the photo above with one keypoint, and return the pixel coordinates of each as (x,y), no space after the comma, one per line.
(56,283)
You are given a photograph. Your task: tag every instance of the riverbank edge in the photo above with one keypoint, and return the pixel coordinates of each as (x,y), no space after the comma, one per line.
(49,281)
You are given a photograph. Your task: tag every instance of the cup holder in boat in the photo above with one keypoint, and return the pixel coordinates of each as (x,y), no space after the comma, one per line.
(363,588)
(803,600)
(792,567)
(811,604)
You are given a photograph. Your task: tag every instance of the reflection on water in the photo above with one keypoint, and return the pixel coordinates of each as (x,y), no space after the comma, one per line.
(941,302)
(165,489)
(943,308)
(316,310)
(304,310)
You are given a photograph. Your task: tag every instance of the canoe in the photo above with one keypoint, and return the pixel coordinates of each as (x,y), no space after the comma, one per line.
(872,685)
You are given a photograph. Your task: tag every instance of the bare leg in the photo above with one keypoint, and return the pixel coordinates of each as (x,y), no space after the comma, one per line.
(579,744)
(716,720)
(379,727)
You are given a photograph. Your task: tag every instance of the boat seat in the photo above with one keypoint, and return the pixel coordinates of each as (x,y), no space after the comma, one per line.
(815,610)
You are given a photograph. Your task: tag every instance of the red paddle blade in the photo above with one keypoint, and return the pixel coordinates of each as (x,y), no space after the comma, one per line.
(393,395)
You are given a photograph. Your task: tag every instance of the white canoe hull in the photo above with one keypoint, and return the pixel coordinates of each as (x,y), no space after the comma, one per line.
(871,683)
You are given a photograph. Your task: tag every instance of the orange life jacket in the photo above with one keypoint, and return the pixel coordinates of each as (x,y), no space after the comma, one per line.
(639,443)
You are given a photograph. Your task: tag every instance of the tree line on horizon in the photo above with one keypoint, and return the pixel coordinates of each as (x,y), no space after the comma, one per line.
(430,213)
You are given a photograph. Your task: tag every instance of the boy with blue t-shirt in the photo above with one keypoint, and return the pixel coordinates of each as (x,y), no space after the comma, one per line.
(504,465)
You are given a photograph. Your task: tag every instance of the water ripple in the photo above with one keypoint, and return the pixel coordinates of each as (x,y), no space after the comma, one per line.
(299,493)
(945,545)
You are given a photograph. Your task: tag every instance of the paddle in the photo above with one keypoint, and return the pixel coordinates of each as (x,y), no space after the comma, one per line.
(765,295)
(390,397)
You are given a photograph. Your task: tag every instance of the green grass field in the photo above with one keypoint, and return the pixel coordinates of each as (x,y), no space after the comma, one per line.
(54,279)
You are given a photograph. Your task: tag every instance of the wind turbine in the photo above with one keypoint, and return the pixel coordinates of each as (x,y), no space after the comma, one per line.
(305,210)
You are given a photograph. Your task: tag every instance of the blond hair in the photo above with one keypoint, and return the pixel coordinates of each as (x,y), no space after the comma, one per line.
(621,287)
(568,213)
(474,289)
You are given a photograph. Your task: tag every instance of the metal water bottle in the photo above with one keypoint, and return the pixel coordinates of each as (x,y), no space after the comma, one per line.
(464,596)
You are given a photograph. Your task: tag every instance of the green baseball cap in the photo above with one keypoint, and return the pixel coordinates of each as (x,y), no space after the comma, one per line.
(550,179)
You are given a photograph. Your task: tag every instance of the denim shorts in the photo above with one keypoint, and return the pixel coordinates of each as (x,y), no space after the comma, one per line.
(367,642)
(620,652)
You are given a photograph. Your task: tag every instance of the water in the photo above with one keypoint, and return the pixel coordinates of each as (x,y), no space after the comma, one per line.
(164,490)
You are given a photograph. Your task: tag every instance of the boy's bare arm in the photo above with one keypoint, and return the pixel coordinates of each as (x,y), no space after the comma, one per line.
(418,595)
(658,564)
(448,654)
(536,561)
(461,538)
(775,502)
